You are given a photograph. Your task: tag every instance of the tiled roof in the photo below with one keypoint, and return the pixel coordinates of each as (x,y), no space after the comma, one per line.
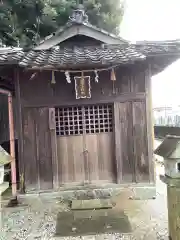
(10,55)
(153,48)
(78,56)
(91,55)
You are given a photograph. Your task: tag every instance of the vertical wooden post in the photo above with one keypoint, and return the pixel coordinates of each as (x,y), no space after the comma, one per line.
(12,146)
(12,142)
(19,131)
(117,133)
(150,125)
(52,127)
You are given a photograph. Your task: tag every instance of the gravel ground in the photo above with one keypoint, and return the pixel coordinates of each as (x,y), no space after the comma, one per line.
(37,219)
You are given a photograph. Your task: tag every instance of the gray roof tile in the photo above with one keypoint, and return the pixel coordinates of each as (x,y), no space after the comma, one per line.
(109,54)
(75,57)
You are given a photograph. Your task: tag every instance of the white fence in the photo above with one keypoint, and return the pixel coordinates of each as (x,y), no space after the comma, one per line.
(167,118)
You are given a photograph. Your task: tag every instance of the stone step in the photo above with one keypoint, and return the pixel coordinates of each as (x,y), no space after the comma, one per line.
(91,204)
(77,223)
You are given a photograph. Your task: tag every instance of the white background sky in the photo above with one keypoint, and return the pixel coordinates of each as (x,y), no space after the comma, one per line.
(156,20)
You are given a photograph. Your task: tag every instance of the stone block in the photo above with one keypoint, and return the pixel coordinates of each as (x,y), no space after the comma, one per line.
(91,204)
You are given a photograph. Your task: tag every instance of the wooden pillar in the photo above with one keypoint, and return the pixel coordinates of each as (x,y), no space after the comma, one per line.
(12,141)
(19,130)
(118,150)
(52,127)
(150,124)
(12,146)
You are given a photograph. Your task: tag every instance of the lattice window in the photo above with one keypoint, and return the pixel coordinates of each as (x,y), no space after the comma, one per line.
(87,120)
(98,119)
(69,121)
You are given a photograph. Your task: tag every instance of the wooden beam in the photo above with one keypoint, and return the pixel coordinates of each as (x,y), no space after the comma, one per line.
(126,97)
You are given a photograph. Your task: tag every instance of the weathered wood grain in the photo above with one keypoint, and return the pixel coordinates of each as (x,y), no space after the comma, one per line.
(100,157)
(127,87)
(140,142)
(128,174)
(52,127)
(70,159)
(37,149)
(123,155)
(72,166)
(19,129)
(150,124)
(117,143)
(30,150)
(44,150)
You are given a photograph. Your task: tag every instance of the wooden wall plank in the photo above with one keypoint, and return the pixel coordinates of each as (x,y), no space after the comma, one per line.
(37,152)
(62,152)
(100,157)
(138,80)
(63,93)
(91,143)
(78,160)
(29,150)
(124,142)
(73,154)
(44,150)
(56,102)
(106,158)
(127,142)
(140,142)
(70,159)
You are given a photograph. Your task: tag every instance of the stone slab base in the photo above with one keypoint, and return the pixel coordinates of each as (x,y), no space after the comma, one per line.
(88,223)
(134,191)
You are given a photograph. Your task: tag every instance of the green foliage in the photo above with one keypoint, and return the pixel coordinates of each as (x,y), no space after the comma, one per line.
(24,22)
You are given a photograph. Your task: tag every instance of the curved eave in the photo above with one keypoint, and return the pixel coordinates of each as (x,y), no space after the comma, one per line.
(161,62)
(158,54)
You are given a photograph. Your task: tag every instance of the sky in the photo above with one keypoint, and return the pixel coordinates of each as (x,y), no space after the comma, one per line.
(156,20)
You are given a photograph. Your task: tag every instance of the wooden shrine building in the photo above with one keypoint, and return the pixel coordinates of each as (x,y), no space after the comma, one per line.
(83,107)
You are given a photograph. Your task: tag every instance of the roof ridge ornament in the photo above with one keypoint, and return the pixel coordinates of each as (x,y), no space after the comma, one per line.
(78,15)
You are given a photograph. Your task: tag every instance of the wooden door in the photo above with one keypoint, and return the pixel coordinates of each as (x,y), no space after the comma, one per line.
(69,130)
(84,143)
(37,152)
(98,130)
